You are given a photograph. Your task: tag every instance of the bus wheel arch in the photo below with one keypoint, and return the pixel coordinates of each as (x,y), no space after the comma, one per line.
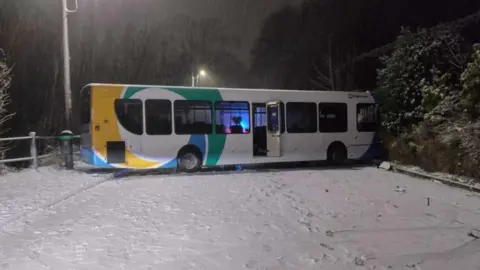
(189,159)
(337,153)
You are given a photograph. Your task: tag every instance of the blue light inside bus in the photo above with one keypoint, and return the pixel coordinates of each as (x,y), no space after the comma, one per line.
(245,123)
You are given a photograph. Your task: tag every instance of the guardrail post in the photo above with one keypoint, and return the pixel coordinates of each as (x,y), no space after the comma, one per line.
(33,149)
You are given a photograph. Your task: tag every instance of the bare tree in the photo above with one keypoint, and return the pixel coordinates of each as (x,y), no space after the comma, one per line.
(331,74)
(4,99)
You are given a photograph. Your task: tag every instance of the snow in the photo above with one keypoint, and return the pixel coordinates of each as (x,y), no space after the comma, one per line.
(350,218)
(29,190)
(456,178)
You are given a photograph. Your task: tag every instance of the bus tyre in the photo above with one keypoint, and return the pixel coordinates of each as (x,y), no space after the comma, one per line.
(337,154)
(189,161)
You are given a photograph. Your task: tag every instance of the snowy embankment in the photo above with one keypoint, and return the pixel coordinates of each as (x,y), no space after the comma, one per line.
(360,218)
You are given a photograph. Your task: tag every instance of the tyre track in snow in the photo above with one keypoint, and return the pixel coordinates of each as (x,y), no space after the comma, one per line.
(16,230)
(52,203)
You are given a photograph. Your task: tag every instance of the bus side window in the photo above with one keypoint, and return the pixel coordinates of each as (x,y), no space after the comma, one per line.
(193,117)
(302,117)
(333,117)
(130,114)
(232,117)
(367,117)
(158,115)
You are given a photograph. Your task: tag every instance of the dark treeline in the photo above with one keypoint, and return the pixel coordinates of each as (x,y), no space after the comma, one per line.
(307,47)
(111,42)
(310,47)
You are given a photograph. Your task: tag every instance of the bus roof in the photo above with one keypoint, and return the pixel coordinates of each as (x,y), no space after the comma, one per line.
(219,88)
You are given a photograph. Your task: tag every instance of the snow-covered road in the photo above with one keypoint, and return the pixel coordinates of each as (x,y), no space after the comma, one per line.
(359,218)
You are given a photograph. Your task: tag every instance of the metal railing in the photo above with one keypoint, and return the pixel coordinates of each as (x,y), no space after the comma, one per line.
(34,157)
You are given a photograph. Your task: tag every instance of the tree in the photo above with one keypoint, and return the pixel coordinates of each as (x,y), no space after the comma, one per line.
(29,34)
(325,44)
(5,79)
(307,47)
(275,50)
(150,50)
(424,68)
(140,48)
(471,83)
(204,44)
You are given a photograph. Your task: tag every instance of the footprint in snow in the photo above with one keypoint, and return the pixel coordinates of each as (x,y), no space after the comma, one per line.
(267,248)
(251,264)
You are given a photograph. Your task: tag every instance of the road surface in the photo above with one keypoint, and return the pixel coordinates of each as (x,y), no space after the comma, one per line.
(354,218)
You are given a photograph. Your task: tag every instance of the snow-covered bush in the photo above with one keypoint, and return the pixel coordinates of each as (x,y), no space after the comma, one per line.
(435,91)
(431,90)
(471,82)
(423,69)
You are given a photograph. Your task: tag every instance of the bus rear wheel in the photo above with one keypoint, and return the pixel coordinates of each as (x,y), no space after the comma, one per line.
(337,154)
(189,161)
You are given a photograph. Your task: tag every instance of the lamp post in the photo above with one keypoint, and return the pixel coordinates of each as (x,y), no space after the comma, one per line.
(66,61)
(195,78)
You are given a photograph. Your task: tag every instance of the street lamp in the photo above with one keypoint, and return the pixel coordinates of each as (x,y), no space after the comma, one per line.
(66,61)
(195,78)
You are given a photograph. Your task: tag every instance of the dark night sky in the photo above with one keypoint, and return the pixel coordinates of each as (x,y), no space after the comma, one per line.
(242,17)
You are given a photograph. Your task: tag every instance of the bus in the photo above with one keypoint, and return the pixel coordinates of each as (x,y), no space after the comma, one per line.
(188,128)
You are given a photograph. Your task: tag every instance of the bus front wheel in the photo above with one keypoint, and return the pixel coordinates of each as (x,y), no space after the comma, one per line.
(189,161)
(337,154)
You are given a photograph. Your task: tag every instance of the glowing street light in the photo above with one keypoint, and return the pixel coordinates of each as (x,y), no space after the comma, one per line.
(195,78)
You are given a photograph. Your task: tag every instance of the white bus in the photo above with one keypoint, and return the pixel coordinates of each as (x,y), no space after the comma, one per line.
(147,127)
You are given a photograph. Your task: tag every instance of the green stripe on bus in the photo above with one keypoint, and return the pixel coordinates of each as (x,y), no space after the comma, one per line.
(132,91)
(216,142)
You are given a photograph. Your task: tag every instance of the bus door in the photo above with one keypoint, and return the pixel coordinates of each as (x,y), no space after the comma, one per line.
(274,123)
